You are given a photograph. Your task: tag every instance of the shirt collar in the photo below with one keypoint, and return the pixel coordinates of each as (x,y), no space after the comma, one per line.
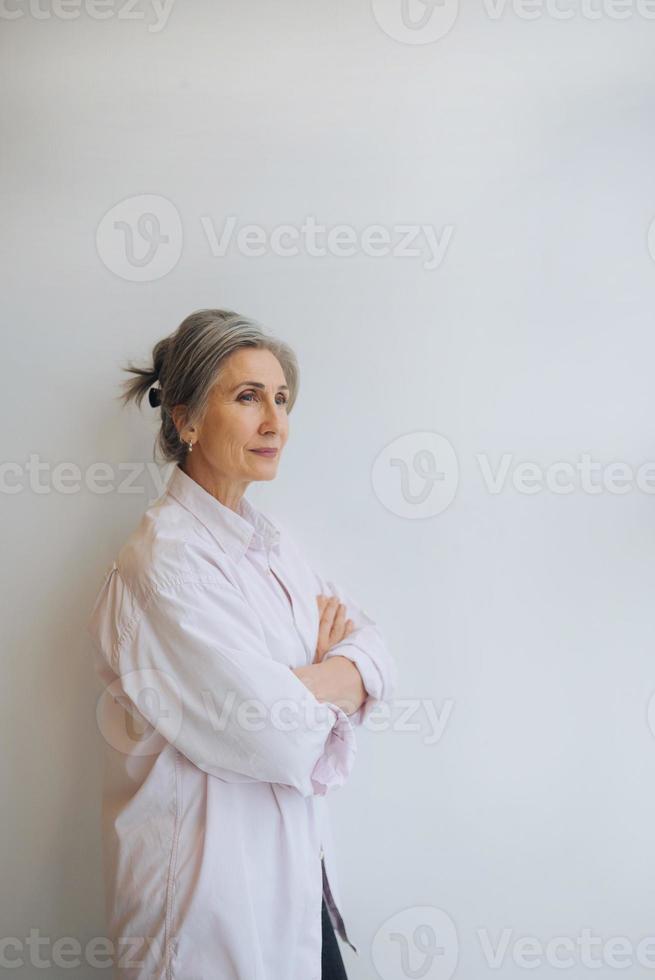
(234,532)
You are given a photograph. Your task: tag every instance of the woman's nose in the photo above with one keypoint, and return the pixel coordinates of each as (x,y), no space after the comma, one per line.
(271,412)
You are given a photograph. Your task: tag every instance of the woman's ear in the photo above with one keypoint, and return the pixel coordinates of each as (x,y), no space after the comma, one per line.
(179,416)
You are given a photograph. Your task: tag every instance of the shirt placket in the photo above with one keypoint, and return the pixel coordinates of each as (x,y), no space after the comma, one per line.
(285,595)
(284,592)
(327,891)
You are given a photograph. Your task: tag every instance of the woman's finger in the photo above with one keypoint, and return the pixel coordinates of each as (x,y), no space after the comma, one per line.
(338,624)
(327,619)
(327,609)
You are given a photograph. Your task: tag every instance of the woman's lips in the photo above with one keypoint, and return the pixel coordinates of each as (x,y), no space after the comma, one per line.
(264,452)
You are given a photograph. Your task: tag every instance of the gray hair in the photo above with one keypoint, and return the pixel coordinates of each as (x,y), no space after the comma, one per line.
(188,364)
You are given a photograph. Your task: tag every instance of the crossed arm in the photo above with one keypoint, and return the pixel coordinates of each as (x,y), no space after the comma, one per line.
(197,652)
(356,640)
(335,679)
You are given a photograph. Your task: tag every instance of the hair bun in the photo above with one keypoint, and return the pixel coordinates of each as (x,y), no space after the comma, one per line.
(154,397)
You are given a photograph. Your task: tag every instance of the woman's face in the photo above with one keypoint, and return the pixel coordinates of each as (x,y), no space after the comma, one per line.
(247,412)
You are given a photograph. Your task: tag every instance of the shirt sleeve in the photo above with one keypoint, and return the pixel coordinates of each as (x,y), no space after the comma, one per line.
(367,649)
(195,663)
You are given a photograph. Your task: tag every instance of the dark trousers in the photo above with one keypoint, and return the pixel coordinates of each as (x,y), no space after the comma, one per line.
(332,967)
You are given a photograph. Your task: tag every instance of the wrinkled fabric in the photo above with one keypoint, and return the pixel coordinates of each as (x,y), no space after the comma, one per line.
(217,844)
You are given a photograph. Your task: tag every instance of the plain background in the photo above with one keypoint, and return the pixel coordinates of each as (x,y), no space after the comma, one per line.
(526,617)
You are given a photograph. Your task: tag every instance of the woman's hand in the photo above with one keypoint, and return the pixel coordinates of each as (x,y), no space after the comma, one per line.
(336,679)
(333,626)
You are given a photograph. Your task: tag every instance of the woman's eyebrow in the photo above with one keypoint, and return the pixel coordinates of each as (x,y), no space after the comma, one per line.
(257,384)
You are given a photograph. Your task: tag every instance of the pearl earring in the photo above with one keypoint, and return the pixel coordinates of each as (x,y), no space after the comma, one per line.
(190,447)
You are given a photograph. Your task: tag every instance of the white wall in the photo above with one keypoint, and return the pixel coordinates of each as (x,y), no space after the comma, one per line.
(524,139)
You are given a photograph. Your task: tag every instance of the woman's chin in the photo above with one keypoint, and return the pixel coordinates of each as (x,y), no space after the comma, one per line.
(266,469)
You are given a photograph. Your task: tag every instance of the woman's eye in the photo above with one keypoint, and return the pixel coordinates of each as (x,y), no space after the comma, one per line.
(248,394)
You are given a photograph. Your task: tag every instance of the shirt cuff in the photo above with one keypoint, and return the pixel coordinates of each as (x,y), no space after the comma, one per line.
(370,674)
(338,756)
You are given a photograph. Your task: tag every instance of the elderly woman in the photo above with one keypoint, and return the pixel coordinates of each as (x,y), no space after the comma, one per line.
(235,677)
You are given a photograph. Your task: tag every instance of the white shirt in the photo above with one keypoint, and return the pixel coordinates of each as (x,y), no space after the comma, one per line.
(218,757)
